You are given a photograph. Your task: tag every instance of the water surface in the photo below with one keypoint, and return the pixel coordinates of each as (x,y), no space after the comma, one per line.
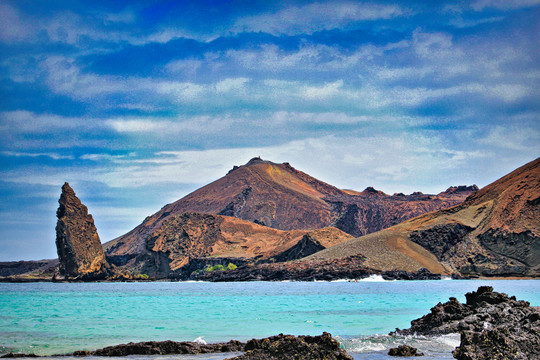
(52,318)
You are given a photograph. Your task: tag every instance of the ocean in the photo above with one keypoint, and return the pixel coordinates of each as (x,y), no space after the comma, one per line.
(55,318)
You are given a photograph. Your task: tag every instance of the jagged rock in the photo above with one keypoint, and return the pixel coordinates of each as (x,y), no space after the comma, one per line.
(492,325)
(404,350)
(440,238)
(305,247)
(77,241)
(168,348)
(421,274)
(289,347)
(282,347)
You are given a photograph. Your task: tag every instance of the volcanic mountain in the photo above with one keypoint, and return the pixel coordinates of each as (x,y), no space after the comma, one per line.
(494,232)
(280,197)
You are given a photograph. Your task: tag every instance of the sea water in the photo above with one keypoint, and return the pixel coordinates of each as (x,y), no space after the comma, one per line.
(53,318)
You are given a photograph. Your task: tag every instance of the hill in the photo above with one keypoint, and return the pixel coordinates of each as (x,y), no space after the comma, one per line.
(280,197)
(205,239)
(494,232)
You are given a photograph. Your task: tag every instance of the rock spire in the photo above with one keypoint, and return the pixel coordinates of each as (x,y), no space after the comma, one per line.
(77,241)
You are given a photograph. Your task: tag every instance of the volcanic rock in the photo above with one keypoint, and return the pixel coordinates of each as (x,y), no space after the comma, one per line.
(404,350)
(79,249)
(289,347)
(167,348)
(492,325)
(182,242)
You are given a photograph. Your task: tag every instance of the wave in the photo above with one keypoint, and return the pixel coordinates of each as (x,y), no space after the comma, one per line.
(373,278)
(443,344)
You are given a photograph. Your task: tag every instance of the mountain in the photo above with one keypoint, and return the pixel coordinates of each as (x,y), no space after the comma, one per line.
(280,197)
(494,232)
(212,239)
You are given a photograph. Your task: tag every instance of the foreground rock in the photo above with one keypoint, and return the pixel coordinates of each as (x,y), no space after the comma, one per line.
(492,325)
(165,348)
(404,350)
(289,347)
(282,347)
(77,241)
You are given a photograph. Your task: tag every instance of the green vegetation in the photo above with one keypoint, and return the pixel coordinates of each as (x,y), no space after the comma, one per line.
(141,277)
(220,267)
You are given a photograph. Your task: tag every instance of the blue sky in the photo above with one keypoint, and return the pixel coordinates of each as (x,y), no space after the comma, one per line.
(137,103)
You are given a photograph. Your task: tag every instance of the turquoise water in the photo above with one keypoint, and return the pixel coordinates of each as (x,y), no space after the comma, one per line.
(50,318)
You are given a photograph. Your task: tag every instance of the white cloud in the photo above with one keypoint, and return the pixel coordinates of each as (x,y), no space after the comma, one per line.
(21,121)
(231,84)
(315,17)
(13,28)
(504,4)
(322,92)
(513,138)
(53,156)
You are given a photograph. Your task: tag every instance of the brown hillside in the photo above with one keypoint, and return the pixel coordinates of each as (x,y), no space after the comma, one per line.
(194,235)
(495,232)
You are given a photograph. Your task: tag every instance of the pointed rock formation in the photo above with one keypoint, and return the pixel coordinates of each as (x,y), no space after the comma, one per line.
(77,241)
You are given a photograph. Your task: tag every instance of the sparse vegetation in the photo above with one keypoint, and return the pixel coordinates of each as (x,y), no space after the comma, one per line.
(141,277)
(220,267)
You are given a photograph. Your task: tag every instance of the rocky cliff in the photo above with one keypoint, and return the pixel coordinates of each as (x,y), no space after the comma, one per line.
(79,249)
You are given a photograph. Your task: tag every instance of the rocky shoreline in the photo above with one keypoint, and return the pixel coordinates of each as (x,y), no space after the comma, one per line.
(492,325)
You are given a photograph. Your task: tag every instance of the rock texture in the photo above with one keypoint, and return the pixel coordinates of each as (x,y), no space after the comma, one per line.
(289,347)
(494,232)
(280,197)
(347,268)
(165,348)
(404,350)
(79,249)
(492,325)
(170,250)
(282,347)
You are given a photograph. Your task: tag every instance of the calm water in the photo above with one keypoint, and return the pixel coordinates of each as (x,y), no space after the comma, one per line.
(47,318)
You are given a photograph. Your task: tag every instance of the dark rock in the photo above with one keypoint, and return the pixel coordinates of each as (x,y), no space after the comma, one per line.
(404,350)
(289,347)
(492,325)
(421,274)
(12,355)
(487,345)
(77,241)
(304,247)
(440,238)
(168,348)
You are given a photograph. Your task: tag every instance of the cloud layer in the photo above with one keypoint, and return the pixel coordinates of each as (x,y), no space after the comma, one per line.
(137,105)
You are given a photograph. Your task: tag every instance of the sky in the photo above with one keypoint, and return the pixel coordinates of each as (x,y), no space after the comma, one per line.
(138,103)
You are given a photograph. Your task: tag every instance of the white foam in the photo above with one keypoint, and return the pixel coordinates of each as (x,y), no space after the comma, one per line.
(200,340)
(373,278)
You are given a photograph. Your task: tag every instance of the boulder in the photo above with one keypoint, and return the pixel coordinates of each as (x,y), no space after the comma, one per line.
(404,350)
(289,347)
